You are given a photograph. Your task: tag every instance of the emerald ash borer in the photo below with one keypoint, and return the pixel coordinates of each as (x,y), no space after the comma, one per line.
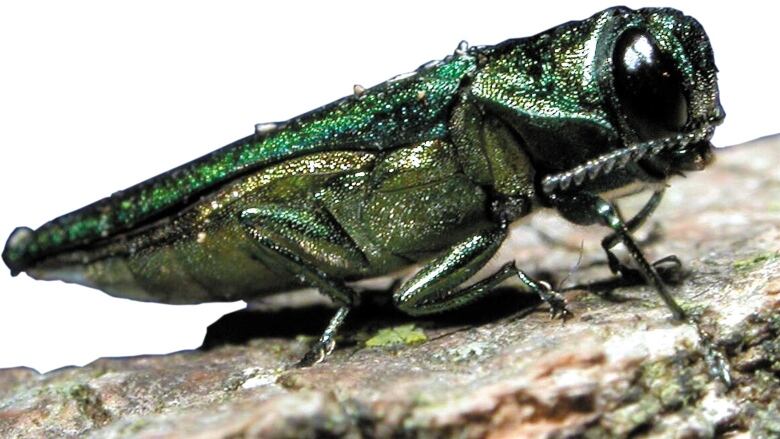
(430,169)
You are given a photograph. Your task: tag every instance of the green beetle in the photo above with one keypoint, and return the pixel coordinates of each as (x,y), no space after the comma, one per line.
(430,168)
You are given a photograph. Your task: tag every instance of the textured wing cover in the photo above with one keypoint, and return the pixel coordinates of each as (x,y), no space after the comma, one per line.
(405,109)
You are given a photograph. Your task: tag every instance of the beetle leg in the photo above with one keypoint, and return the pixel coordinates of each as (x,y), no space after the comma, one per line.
(327,341)
(715,359)
(610,217)
(435,287)
(283,236)
(669,267)
(585,208)
(631,225)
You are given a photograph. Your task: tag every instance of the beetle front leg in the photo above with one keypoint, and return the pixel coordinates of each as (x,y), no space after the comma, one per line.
(435,287)
(631,225)
(611,219)
(668,267)
(283,236)
(585,208)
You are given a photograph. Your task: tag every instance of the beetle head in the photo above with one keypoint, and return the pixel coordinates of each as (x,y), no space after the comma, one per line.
(657,72)
(597,104)
(663,85)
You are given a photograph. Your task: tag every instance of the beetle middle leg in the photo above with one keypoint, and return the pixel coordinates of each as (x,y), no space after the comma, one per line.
(294,240)
(435,287)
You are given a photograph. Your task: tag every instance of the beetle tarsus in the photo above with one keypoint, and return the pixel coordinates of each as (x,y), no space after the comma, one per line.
(545,292)
(314,355)
(554,299)
(718,365)
(327,342)
(717,362)
(669,268)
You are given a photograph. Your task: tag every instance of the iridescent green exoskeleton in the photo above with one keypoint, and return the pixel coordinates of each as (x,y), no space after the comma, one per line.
(430,168)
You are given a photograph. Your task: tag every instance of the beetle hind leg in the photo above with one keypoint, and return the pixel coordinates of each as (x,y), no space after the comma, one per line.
(292,241)
(327,341)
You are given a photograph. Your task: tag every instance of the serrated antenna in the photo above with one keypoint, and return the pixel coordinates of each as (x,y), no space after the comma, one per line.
(620,158)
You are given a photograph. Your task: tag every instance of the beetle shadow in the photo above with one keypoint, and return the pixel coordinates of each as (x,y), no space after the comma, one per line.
(377,311)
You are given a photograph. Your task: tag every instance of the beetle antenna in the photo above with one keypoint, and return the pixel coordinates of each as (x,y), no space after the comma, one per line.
(572,269)
(620,158)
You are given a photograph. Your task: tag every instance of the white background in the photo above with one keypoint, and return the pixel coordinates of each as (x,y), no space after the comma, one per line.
(96,97)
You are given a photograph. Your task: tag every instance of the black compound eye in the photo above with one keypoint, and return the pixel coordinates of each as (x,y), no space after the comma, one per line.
(649,86)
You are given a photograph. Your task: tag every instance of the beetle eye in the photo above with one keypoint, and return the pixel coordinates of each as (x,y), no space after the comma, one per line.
(649,86)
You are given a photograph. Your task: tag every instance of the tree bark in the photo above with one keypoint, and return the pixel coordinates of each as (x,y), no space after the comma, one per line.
(500,368)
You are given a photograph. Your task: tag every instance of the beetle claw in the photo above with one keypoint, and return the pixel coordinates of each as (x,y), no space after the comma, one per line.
(312,357)
(557,303)
(317,353)
(558,309)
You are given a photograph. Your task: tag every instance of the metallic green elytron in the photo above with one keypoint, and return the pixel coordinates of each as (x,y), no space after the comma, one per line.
(428,168)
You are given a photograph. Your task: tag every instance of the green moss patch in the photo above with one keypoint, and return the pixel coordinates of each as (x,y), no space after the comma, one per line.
(756,261)
(398,335)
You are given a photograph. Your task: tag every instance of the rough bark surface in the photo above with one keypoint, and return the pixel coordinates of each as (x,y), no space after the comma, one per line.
(501,368)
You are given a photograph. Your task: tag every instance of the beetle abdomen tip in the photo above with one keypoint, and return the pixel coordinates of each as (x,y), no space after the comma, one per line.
(15,251)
